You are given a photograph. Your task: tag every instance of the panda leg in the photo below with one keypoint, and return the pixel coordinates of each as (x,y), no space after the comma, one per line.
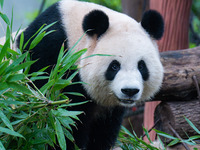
(105,129)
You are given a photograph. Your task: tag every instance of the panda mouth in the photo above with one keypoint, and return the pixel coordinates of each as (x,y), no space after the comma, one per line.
(126,101)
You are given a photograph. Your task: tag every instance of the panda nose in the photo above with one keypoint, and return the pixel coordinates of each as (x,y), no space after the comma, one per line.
(130,92)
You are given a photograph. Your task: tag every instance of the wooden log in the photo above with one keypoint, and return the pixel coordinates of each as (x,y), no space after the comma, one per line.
(180,68)
(173,113)
(176,17)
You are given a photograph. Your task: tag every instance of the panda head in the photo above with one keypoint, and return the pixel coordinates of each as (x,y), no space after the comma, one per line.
(133,72)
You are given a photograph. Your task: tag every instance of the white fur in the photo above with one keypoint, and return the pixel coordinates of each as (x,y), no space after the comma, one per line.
(127,41)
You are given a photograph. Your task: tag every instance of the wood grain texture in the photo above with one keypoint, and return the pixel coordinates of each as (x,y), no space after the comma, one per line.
(173,113)
(180,67)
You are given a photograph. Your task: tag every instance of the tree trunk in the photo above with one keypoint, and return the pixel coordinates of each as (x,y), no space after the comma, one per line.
(180,69)
(135,8)
(173,113)
(176,16)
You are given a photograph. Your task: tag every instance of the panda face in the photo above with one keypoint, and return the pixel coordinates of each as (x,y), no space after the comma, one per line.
(132,73)
(127,85)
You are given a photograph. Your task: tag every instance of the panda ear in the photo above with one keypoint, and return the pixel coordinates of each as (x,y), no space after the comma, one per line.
(153,23)
(95,22)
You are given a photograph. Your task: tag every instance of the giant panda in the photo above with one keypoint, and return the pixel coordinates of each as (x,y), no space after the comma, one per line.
(130,74)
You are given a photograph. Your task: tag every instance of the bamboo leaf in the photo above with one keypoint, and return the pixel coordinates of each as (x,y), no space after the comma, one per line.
(147,134)
(10,132)
(25,45)
(45,27)
(22,66)
(5,120)
(1,3)
(3,50)
(19,88)
(3,66)
(5,18)
(164,134)
(68,135)
(8,35)
(45,87)
(21,41)
(37,39)
(192,125)
(16,77)
(60,134)
(173,142)
(16,62)
(1,146)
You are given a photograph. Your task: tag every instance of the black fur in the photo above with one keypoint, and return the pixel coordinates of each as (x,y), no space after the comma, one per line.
(96,22)
(48,49)
(98,126)
(153,23)
(143,70)
(112,70)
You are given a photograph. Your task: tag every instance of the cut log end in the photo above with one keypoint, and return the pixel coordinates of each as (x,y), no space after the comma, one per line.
(173,113)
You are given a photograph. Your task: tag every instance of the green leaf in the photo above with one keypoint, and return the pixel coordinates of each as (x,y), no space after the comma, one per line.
(70,61)
(75,93)
(11,24)
(39,78)
(97,55)
(5,120)
(21,41)
(10,132)
(127,132)
(19,88)
(16,62)
(1,3)
(3,86)
(60,135)
(45,27)
(17,121)
(192,125)
(16,77)
(3,66)
(194,137)
(66,122)
(25,45)
(60,84)
(147,134)
(66,113)
(3,50)
(173,142)
(48,85)
(37,39)
(55,70)
(22,66)
(68,135)
(5,18)
(164,134)
(73,104)
(1,146)
(12,51)
(163,147)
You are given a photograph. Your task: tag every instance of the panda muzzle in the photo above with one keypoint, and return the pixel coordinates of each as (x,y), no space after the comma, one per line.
(126,101)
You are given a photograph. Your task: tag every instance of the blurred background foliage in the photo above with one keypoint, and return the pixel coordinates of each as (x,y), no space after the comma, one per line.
(194,33)
(23,15)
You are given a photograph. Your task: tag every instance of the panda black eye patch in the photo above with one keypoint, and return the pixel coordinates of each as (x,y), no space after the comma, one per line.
(112,70)
(143,70)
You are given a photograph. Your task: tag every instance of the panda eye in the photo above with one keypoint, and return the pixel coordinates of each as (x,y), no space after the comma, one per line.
(112,70)
(115,66)
(141,65)
(143,70)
